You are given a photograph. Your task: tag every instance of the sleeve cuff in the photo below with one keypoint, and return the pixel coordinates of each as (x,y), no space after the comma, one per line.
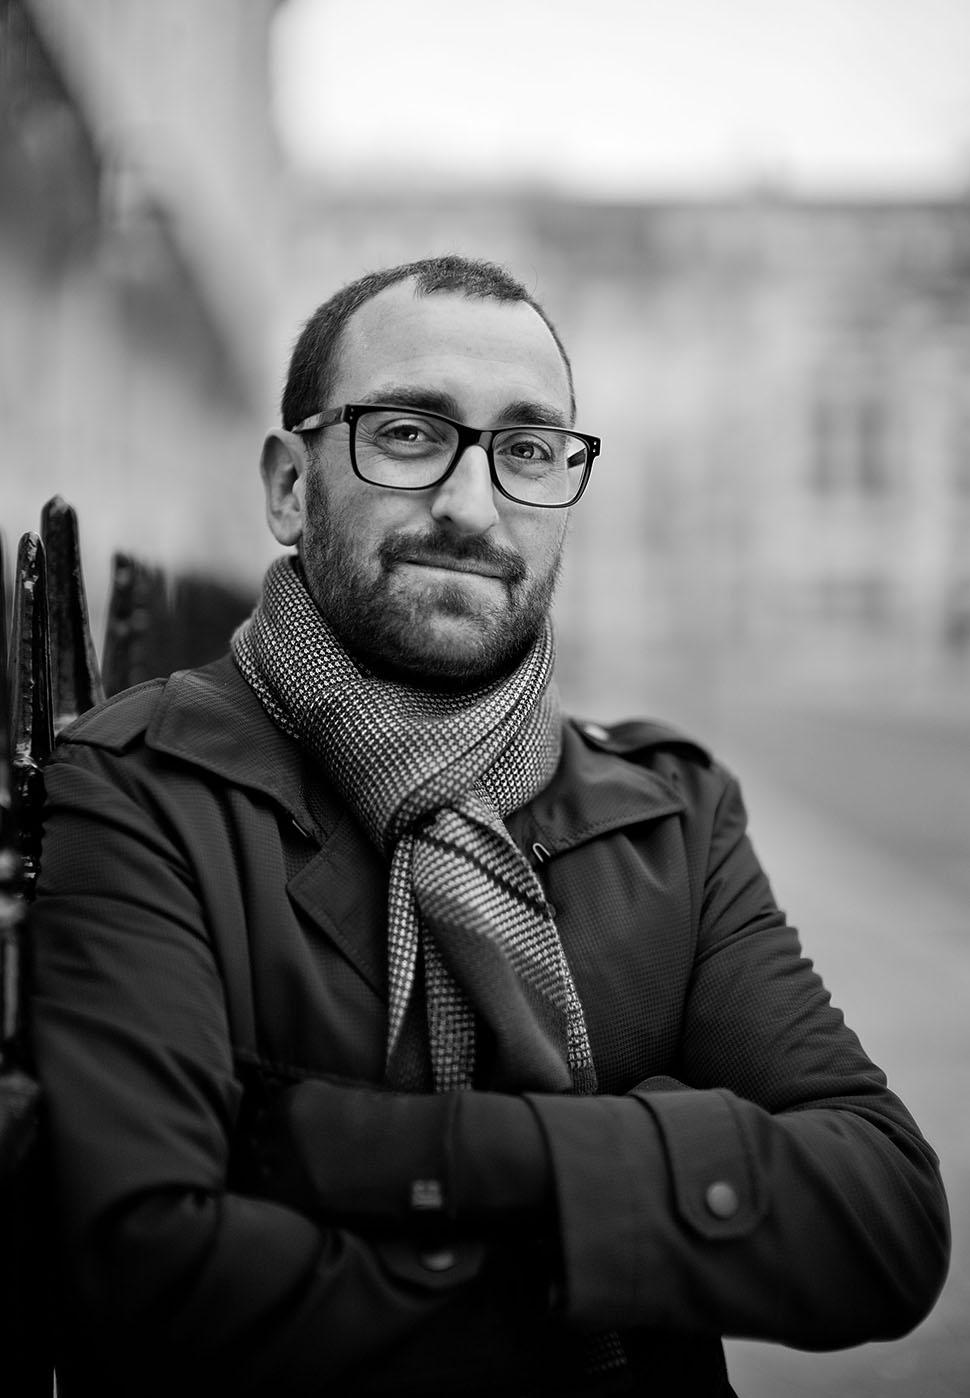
(639,1181)
(610,1184)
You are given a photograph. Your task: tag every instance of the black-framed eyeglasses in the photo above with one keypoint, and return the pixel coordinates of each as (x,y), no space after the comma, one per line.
(408,449)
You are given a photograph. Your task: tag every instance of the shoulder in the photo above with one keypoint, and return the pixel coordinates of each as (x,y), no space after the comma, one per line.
(123,722)
(117,723)
(643,741)
(672,759)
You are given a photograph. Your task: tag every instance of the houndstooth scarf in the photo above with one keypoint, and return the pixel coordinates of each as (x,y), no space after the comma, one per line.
(430,776)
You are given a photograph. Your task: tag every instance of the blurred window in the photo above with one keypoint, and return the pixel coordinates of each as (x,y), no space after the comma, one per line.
(865,601)
(851,439)
(872,442)
(825,446)
(956,616)
(960,453)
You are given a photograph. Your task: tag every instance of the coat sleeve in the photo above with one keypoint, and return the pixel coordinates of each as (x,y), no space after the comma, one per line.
(204,1287)
(784,1194)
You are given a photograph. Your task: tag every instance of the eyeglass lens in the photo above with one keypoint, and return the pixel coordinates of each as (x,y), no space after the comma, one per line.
(537,465)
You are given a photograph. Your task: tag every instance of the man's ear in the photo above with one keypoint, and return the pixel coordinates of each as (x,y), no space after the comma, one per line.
(282,466)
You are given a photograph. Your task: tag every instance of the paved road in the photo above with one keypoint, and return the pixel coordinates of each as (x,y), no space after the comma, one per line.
(864,827)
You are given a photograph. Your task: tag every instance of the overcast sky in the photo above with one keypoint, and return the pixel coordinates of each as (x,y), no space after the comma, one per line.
(628,97)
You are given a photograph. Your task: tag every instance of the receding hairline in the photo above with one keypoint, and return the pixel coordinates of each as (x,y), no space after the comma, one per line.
(316,352)
(419,293)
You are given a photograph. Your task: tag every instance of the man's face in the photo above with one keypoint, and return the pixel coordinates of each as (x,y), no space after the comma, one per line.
(449,585)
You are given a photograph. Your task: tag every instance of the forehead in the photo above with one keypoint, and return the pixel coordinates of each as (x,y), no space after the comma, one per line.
(481,352)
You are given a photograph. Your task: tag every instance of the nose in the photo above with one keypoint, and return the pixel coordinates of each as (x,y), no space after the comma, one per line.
(466,499)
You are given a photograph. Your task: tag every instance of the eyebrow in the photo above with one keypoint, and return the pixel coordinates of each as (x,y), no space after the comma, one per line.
(432,400)
(529,411)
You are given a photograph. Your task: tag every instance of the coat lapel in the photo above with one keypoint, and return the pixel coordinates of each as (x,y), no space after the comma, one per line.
(212,719)
(342,890)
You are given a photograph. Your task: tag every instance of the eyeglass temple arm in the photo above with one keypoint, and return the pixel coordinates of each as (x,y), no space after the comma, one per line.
(318,420)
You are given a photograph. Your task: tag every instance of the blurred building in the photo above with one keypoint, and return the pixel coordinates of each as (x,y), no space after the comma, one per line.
(784,397)
(782,387)
(137,260)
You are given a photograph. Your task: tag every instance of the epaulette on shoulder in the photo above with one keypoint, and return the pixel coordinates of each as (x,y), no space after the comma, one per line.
(119,721)
(635,737)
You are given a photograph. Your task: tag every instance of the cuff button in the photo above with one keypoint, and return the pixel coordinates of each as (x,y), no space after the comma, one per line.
(427,1196)
(440,1261)
(722,1199)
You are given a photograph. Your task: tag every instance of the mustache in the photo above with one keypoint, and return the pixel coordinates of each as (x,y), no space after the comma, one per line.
(471,548)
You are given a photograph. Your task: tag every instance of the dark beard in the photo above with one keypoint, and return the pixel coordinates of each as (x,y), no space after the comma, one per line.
(383,631)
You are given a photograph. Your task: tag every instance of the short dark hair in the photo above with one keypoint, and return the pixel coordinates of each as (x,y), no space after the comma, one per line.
(313,362)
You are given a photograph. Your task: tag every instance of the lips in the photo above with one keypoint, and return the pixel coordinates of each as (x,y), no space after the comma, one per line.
(440,549)
(451,564)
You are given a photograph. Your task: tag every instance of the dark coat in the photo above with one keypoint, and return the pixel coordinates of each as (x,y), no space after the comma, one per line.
(209,910)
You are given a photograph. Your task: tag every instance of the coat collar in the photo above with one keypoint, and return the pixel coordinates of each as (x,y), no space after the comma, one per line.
(211,718)
(594,790)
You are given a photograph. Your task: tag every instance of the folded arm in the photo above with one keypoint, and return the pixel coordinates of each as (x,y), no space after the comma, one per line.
(784,1194)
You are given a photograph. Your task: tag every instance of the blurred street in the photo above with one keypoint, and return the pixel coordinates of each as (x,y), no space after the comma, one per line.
(863,823)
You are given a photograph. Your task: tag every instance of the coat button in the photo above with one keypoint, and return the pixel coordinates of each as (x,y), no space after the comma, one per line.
(596,731)
(442,1260)
(722,1199)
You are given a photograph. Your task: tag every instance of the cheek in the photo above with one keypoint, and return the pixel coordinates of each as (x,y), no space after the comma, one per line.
(539,539)
(358,529)
(366,522)
(350,527)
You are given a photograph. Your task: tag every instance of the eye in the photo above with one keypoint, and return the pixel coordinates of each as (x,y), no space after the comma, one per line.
(529,450)
(526,449)
(398,434)
(405,431)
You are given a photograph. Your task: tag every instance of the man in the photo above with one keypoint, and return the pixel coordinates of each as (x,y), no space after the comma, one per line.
(400,1036)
